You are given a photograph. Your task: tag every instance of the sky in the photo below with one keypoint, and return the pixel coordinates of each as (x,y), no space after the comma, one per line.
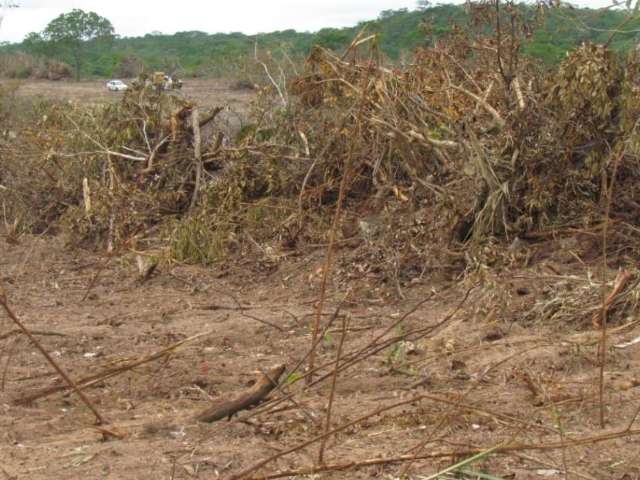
(138,17)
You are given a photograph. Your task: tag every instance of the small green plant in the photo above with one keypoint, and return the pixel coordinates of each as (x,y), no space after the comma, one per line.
(397,353)
(195,241)
(459,471)
(293,378)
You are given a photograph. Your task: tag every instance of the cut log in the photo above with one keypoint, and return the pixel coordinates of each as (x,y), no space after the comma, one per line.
(256,394)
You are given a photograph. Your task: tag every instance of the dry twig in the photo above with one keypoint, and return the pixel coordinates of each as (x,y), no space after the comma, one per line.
(327,425)
(5,305)
(94,379)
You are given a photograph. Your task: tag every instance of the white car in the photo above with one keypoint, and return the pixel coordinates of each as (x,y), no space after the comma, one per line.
(116,85)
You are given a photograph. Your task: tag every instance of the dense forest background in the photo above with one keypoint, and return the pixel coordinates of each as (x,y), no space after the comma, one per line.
(195,53)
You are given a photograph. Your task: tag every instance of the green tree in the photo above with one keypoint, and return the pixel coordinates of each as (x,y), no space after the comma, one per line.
(70,32)
(34,44)
(399,33)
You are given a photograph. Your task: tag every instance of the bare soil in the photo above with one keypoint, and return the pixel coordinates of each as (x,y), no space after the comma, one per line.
(470,378)
(205,92)
(485,381)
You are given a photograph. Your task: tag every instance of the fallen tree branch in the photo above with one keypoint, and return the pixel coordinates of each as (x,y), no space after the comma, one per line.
(413,135)
(618,286)
(103,148)
(87,382)
(266,71)
(257,393)
(515,447)
(327,425)
(5,304)
(94,279)
(154,152)
(492,111)
(209,118)
(244,473)
(519,95)
(197,156)
(42,333)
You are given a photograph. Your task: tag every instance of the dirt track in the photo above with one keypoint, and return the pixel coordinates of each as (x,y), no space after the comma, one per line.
(473,360)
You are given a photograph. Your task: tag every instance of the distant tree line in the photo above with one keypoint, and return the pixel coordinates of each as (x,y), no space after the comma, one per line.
(88,43)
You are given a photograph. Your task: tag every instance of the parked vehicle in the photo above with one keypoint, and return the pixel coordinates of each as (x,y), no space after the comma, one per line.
(116,85)
(172,83)
(166,82)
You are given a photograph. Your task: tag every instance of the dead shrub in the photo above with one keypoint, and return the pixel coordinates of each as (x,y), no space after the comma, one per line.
(450,150)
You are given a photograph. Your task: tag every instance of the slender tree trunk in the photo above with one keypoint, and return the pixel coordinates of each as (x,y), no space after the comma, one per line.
(77,68)
(77,60)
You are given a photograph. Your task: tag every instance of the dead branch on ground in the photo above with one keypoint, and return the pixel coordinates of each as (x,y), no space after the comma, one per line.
(256,394)
(99,377)
(5,305)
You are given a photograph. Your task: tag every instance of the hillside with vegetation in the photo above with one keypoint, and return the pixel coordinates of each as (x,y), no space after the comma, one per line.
(196,53)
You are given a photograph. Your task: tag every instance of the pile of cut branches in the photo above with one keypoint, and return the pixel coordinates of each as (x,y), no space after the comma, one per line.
(471,141)
(106,174)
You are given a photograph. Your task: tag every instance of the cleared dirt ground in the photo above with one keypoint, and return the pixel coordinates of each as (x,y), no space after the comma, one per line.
(470,376)
(461,376)
(206,92)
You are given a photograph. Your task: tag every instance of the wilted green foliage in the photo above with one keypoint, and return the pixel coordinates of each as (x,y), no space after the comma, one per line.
(196,240)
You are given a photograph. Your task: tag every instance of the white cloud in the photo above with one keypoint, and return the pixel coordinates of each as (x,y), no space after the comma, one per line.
(137,17)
